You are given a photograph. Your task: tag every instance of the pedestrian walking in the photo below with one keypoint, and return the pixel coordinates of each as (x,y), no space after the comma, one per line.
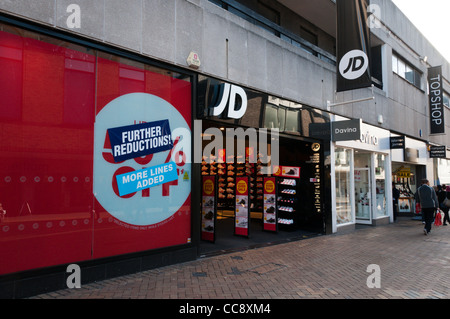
(395,197)
(445,208)
(429,202)
(441,194)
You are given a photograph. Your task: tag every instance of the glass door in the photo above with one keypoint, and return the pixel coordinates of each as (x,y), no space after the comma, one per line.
(380,183)
(363,197)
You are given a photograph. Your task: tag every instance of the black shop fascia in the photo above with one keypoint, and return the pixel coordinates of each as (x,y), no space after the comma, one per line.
(240,132)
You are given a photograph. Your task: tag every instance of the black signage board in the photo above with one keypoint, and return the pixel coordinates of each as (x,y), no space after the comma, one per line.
(353,45)
(348,130)
(411,155)
(438,151)
(320,130)
(436,100)
(397,142)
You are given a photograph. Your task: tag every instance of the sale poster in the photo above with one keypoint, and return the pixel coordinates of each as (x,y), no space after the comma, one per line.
(242,207)
(209,208)
(270,202)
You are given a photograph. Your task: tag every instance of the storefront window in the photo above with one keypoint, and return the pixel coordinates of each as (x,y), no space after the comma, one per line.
(47,121)
(133,94)
(343,185)
(443,171)
(58,187)
(380,178)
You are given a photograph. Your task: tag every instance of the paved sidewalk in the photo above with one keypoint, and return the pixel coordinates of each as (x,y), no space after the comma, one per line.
(412,266)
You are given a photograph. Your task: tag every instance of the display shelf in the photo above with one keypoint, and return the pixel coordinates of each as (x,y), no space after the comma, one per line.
(227,170)
(287,203)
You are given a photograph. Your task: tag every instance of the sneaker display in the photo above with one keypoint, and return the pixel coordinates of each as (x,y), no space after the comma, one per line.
(209,215)
(291,172)
(209,203)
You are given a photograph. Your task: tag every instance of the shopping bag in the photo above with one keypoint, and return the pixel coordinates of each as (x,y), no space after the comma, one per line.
(438,218)
(418,209)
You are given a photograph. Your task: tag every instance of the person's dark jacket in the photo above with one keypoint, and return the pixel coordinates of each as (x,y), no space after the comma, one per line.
(441,195)
(427,196)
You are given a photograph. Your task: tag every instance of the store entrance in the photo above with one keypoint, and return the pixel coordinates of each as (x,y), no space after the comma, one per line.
(293,212)
(363,209)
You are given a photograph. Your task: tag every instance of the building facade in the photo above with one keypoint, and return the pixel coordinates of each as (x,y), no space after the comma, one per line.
(106,121)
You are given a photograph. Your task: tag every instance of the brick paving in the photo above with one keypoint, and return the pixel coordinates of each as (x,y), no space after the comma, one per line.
(412,266)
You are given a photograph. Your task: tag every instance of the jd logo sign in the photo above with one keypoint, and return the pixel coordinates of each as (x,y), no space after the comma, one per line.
(228,96)
(353,45)
(353,64)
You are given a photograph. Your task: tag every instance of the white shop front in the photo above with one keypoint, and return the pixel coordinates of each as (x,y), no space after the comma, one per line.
(361,183)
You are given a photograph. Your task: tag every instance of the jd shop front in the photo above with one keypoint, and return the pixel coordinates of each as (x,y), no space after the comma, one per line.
(362,179)
(261,175)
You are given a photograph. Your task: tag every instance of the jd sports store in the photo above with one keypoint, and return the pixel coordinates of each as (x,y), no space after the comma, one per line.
(246,200)
(67,178)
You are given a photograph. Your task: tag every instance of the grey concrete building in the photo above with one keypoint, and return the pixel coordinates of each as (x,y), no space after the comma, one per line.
(282,52)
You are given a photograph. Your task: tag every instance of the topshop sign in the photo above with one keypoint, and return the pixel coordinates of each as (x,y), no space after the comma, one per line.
(436,100)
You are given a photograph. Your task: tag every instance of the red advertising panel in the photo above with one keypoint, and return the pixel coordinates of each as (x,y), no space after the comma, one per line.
(150,217)
(209,207)
(59,190)
(286,171)
(46,129)
(270,202)
(242,207)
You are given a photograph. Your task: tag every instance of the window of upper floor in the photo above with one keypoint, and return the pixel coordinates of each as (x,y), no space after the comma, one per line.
(406,71)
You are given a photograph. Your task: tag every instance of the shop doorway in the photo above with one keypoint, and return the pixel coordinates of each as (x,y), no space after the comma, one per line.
(406,178)
(298,213)
(363,187)
(363,202)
